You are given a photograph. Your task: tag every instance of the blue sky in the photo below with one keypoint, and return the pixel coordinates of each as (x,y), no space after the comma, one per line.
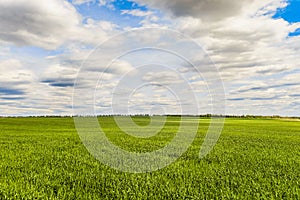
(254,45)
(291,13)
(98,12)
(114,13)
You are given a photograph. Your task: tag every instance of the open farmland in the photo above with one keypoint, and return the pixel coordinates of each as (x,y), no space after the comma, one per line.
(254,158)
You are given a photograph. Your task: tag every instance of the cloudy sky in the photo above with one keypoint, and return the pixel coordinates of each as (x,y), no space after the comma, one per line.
(46,46)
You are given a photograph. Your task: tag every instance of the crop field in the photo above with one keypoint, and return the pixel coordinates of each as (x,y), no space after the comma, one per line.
(44,158)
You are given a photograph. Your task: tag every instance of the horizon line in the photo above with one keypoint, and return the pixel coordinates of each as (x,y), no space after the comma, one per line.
(148,115)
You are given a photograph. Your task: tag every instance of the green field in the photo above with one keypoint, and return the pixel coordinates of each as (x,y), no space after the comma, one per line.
(43,158)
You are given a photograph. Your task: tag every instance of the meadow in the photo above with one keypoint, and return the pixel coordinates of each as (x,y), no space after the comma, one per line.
(43,158)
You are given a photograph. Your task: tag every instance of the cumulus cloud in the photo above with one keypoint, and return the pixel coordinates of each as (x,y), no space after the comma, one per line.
(45,24)
(256,57)
(247,45)
(207,10)
(48,25)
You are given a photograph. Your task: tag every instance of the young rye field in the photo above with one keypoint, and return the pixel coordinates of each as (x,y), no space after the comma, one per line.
(43,158)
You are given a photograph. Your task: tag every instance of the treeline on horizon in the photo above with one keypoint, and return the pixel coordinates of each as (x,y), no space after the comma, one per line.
(147,115)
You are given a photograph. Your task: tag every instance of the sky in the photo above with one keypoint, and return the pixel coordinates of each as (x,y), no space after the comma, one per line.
(129,56)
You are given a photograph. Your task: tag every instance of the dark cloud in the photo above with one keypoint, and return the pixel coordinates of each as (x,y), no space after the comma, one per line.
(211,10)
(236,99)
(35,23)
(263,98)
(268,87)
(11,91)
(12,98)
(60,82)
(294,95)
(253,98)
(270,70)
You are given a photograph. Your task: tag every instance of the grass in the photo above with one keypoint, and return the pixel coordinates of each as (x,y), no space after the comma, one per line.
(43,158)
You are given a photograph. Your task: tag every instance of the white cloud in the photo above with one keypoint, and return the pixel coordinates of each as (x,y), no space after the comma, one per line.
(48,25)
(22,94)
(163,78)
(137,12)
(79,2)
(107,3)
(14,74)
(255,56)
(45,23)
(247,46)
